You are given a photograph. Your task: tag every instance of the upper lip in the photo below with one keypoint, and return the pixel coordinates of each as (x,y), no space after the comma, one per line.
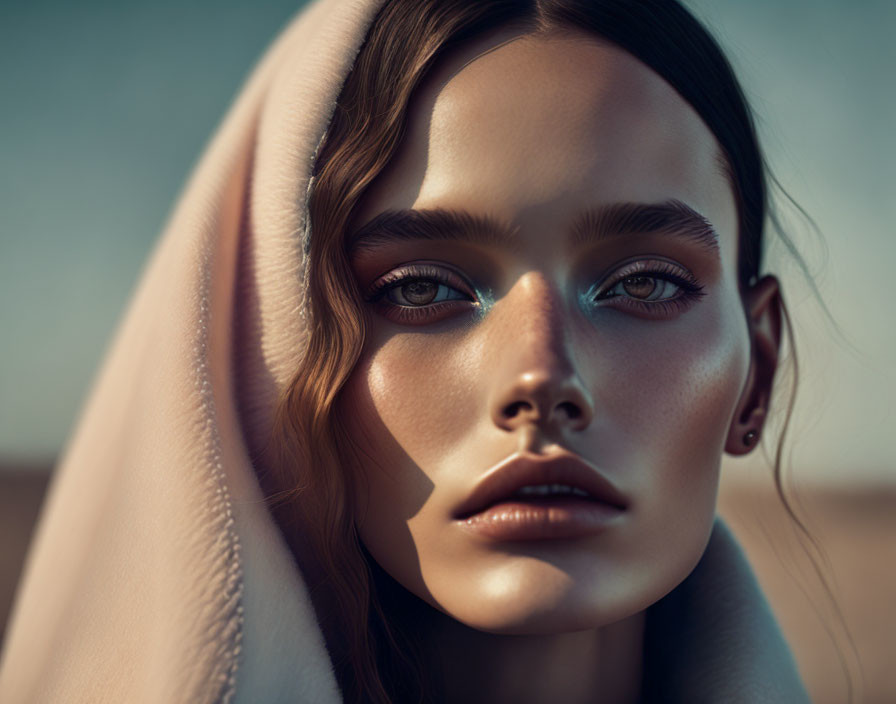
(527,469)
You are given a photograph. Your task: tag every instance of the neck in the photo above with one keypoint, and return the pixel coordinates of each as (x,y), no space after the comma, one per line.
(591,666)
(463,664)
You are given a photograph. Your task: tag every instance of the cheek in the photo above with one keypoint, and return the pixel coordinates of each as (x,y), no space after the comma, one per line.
(711,368)
(406,406)
(415,392)
(672,425)
(672,391)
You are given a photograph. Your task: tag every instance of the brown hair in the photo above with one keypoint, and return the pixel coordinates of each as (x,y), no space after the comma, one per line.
(311,451)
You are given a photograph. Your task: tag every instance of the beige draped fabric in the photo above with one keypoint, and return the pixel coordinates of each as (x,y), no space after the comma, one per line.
(157,573)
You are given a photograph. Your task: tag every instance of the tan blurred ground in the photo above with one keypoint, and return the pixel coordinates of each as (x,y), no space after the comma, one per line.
(857,529)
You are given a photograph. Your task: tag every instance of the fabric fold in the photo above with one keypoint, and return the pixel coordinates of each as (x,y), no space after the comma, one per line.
(156,571)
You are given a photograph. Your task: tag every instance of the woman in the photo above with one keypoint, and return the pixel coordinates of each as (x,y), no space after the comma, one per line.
(527,267)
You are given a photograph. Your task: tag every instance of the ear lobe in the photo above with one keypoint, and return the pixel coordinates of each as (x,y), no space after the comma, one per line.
(763,307)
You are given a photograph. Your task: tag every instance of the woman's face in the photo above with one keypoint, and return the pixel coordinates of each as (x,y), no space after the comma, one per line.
(584,301)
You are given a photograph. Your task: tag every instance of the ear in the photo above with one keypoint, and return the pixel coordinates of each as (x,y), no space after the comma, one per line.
(762,302)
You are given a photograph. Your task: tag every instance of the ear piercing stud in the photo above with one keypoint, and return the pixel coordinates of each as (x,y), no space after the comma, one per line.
(750,438)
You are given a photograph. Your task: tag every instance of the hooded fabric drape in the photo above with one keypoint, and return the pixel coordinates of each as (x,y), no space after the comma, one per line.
(157,573)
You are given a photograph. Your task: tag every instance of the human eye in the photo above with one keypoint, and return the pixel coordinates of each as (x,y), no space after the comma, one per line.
(653,287)
(418,293)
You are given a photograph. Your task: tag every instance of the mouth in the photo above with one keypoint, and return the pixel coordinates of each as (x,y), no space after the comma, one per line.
(533,497)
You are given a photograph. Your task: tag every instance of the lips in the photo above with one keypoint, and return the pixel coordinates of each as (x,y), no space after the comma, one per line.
(527,469)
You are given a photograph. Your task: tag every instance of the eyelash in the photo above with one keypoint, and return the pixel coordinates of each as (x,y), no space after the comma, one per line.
(690,289)
(401,277)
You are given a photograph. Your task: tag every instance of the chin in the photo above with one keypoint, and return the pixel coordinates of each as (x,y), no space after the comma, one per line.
(541,599)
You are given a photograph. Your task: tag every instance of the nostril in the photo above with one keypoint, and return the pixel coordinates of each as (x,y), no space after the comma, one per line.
(514,408)
(572,410)
(545,401)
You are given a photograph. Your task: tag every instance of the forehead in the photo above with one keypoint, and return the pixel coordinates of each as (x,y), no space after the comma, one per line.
(521,127)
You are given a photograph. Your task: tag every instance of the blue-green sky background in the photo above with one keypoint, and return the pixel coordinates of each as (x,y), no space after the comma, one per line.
(105,106)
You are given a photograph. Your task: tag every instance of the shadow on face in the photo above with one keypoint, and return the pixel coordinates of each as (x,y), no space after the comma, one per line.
(549,263)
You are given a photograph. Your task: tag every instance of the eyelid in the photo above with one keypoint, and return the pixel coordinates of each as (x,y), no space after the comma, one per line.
(656,267)
(418,270)
(690,289)
(666,268)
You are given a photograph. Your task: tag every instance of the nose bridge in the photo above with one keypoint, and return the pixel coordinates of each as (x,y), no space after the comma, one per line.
(538,319)
(536,379)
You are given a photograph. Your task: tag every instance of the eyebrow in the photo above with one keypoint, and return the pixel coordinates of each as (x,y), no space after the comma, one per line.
(670,217)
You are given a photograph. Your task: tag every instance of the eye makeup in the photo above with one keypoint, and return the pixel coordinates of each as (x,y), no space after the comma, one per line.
(630,286)
(419,304)
(417,293)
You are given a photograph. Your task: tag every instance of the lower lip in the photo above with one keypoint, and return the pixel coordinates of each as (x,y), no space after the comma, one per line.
(550,518)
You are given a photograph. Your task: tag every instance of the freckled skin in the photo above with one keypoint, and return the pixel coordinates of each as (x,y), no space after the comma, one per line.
(519,135)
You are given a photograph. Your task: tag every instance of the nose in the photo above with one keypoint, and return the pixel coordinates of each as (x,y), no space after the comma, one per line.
(536,382)
(553,402)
